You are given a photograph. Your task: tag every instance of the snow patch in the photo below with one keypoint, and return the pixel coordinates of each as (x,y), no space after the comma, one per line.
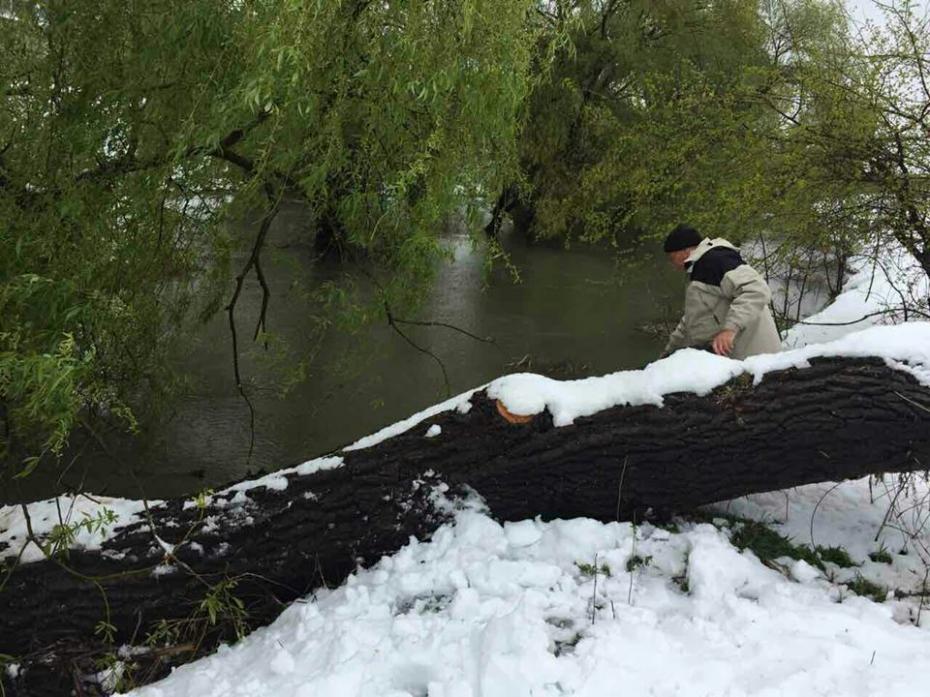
(276,481)
(903,346)
(76,512)
(802,572)
(163,570)
(461,403)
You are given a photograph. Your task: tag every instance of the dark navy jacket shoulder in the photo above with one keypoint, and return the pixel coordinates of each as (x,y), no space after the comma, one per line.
(714,265)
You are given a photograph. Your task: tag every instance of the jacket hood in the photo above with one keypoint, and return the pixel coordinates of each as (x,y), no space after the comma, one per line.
(705,246)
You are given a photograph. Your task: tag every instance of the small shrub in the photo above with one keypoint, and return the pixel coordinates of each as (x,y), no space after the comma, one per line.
(62,536)
(221,604)
(114,675)
(106,631)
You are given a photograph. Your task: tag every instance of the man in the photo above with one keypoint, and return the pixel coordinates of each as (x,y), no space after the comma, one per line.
(727,301)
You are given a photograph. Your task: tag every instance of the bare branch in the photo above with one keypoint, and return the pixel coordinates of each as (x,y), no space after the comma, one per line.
(253,260)
(486,339)
(442,366)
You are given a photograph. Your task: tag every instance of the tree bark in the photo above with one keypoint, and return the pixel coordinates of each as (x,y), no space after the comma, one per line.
(837,419)
(506,201)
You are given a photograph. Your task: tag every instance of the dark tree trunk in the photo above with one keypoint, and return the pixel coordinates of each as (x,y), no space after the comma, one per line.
(329,235)
(519,208)
(505,203)
(838,419)
(523,214)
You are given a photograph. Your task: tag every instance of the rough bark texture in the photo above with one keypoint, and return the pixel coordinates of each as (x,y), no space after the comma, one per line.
(838,419)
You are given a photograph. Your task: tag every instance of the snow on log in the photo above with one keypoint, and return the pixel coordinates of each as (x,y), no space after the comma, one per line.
(686,431)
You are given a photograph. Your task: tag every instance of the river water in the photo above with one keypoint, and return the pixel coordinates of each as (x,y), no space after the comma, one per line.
(573,313)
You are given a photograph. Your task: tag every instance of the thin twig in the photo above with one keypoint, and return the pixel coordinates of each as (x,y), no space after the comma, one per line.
(629,595)
(486,340)
(894,500)
(856,321)
(814,512)
(626,459)
(913,403)
(442,366)
(13,565)
(923,595)
(594,593)
(261,326)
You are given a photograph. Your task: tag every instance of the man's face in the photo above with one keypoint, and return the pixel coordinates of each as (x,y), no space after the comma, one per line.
(678,258)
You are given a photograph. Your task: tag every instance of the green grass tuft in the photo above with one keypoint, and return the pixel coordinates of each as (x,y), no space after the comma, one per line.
(836,555)
(881,556)
(769,545)
(864,587)
(590,570)
(636,561)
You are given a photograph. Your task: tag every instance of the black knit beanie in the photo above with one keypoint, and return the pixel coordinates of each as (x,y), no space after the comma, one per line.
(682,237)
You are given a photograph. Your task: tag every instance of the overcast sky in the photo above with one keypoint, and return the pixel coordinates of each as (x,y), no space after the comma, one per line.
(866,9)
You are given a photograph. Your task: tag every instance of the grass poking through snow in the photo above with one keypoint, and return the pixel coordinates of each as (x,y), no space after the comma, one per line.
(769,545)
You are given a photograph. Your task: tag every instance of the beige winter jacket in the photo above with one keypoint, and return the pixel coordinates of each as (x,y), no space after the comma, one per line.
(725,293)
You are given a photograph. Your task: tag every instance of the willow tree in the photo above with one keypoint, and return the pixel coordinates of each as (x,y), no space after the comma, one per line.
(658,111)
(857,130)
(641,93)
(131,132)
(845,168)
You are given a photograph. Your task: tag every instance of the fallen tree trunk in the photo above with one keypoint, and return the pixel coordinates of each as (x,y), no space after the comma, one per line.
(185,565)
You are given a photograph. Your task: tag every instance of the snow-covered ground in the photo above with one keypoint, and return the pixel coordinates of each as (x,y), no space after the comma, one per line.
(516,610)
(876,293)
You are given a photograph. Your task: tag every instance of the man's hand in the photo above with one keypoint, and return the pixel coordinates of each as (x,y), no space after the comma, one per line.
(723,342)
